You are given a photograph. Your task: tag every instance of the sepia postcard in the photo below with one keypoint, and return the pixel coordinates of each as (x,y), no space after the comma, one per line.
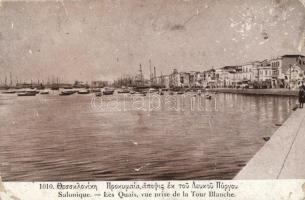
(152,99)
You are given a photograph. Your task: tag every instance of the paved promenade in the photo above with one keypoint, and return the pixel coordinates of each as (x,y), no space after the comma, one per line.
(283,156)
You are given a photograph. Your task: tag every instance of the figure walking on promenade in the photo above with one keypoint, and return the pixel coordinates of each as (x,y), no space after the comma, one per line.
(302,95)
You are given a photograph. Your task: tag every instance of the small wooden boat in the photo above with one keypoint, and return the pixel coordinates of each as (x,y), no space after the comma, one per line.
(28,93)
(55,87)
(208,96)
(152,90)
(95,90)
(66,93)
(98,94)
(85,91)
(9,92)
(123,91)
(44,92)
(108,91)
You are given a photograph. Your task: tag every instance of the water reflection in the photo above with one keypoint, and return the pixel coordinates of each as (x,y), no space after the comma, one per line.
(48,138)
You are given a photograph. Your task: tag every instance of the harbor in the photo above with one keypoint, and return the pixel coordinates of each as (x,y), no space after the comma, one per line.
(151,90)
(281,76)
(145,123)
(81,142)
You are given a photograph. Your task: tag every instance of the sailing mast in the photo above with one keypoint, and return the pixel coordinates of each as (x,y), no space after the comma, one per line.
(155,75)
(11,80)
(150,73)
(141,75)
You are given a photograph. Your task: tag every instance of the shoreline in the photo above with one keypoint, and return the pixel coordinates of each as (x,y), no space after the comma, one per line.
(271,92)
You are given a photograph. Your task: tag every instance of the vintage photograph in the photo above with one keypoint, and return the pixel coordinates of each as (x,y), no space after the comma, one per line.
(151,90)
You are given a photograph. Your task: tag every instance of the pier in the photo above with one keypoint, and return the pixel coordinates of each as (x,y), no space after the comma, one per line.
(282,157)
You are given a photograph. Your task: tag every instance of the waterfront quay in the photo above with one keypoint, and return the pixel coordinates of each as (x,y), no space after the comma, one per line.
(274,91)
(282,157)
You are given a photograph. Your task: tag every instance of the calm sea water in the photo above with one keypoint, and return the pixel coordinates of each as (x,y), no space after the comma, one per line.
(66,138)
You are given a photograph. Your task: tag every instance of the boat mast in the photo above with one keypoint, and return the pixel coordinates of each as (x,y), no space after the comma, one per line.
(150,73)
(11,79)
(141,74)
(155,75)
(161,79)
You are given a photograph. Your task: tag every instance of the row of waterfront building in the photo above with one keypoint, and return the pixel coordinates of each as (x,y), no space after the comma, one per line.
(285,71)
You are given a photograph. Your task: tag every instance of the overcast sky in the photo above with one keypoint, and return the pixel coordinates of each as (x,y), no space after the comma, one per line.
(103,39)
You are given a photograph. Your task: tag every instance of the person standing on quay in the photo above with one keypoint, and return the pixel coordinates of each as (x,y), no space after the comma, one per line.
(302,95)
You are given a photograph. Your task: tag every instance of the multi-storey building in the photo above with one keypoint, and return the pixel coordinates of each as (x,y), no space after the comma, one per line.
(195,79)
(184,79)
(226,76)
(282,69)
(265,74)
(209,78)
(174,79)
(255,71)
(247,72)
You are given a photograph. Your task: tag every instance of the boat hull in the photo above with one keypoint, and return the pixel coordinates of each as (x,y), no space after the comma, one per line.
(83,92)
(98,94)
(9,92)
(66,93)
(108,92)
(27,94)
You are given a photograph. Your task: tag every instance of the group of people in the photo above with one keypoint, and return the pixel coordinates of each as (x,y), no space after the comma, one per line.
(302,95)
